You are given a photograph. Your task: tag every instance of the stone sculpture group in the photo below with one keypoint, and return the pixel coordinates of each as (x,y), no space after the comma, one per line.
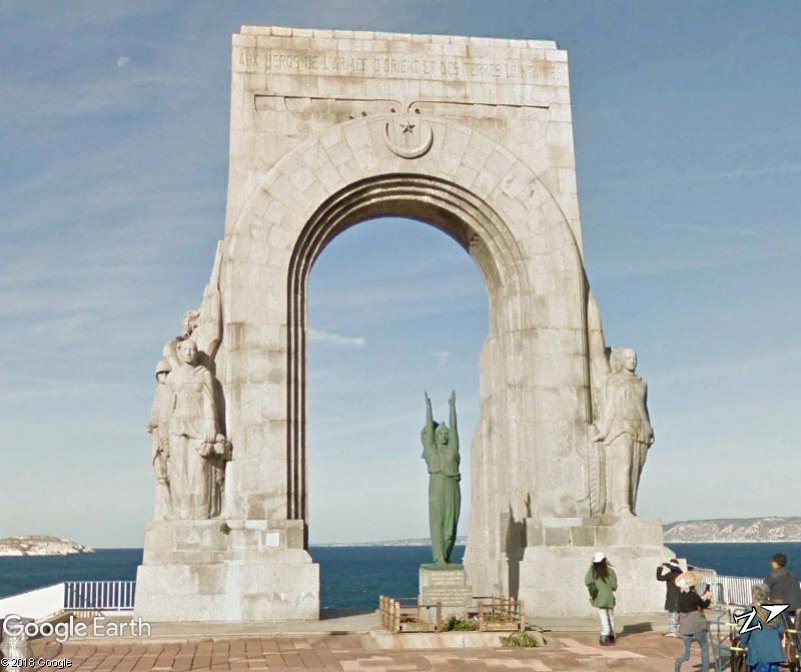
(187,420)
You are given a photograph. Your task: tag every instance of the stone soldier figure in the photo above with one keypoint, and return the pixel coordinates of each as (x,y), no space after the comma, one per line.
(625,430)
(441,453)
(158,428)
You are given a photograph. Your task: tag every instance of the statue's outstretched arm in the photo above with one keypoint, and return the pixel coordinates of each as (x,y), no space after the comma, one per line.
(429,416)
(427,435)
(454,430)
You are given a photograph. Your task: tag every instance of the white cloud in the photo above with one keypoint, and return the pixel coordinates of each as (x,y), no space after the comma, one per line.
(740,363)
(16,389)
(123,62)
(442,356)
(736,174)
(715,230)
(336,339)
(638,267)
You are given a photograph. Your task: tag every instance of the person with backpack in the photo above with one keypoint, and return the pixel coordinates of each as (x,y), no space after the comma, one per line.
(601,582)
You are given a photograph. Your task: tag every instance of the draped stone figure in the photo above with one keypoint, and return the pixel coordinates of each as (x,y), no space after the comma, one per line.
(158,427)
(441,453)
(187,421)
(194,437)
(625,430)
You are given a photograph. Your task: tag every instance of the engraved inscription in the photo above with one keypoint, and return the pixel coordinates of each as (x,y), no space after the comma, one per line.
(384,65)
(444,580)
(448,588)
(447,597)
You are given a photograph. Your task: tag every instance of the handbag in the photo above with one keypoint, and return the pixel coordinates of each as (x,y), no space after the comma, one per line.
(692,623)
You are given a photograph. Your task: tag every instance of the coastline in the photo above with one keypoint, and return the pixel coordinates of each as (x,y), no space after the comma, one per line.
(370,544)
(734,541)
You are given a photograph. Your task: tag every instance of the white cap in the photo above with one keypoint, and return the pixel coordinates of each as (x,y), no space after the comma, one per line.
(599,556)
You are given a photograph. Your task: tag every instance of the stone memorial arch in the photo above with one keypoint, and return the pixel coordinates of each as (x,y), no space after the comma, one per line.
(474,137)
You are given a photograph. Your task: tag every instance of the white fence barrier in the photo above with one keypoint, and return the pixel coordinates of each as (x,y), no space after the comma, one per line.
(38,604)
(99,595)
(730,590)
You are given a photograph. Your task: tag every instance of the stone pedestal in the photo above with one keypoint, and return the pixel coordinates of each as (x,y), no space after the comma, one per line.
(447,585)
(193,570)
(559,552)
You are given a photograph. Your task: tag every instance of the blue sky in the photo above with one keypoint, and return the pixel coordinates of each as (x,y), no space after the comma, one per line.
(114,121)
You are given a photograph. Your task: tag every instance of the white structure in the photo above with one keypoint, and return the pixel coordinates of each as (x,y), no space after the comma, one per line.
(474,137)
(39,604)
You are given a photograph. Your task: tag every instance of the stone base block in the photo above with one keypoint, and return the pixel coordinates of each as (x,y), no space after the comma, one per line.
(594,532)
(552,574)
(195,571)
(446,585)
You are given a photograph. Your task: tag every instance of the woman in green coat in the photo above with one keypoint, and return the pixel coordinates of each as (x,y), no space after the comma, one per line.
(601,581)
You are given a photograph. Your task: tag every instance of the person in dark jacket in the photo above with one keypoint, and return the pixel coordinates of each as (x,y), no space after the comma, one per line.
(669,572)
(691,606)
(783,586)
(764,645)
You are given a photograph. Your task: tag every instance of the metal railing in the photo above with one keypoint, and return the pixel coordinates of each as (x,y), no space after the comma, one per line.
(730,590)
(99,595)
(734,590)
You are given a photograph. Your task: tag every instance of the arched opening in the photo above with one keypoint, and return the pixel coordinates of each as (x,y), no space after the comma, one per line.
(394,308)
(496,252)
(453,210)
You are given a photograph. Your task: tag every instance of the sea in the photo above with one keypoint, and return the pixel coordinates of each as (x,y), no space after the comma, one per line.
(353,577)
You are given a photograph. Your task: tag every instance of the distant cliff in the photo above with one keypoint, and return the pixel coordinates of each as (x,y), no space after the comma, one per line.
(719,530)
(734,529)
(40,545)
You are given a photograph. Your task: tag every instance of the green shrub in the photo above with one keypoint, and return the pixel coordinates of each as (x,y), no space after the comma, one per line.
(459,624)
(522,639)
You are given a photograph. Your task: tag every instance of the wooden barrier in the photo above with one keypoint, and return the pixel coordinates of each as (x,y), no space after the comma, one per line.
(501,614)
(407,614)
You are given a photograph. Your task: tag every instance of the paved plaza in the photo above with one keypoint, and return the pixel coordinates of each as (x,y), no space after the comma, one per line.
(643,652)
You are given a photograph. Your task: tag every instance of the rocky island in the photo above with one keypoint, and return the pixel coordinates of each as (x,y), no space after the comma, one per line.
(40,545)
(729,530)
